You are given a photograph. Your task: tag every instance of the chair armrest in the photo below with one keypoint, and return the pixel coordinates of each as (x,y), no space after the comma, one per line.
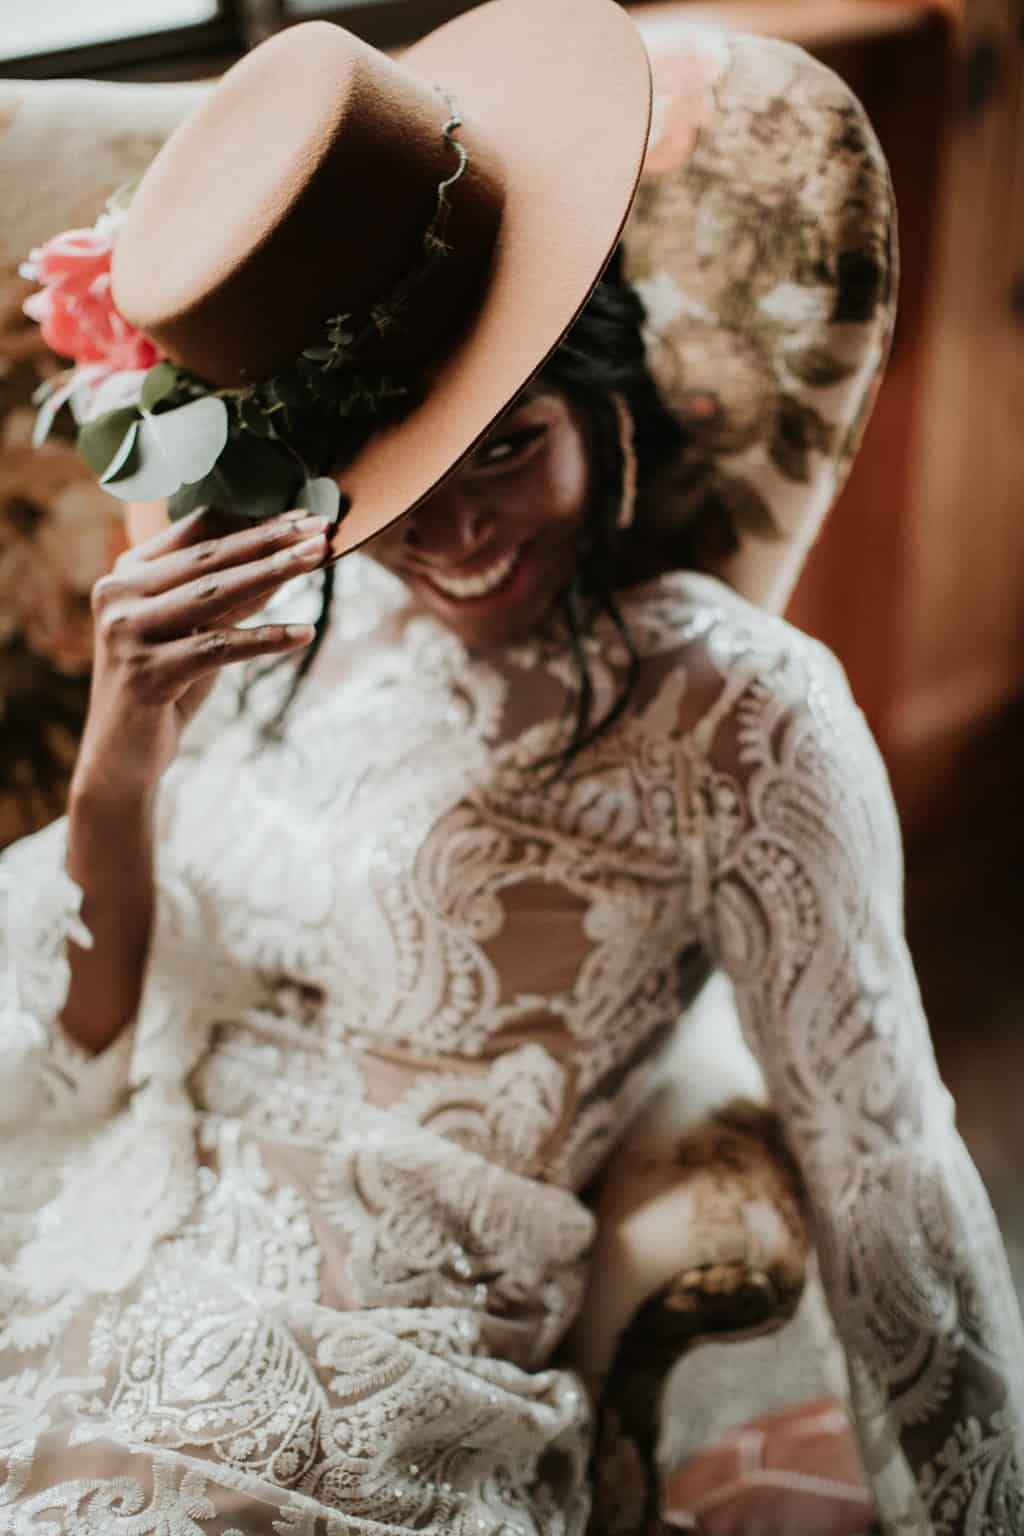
(676,1194)
(708,1242)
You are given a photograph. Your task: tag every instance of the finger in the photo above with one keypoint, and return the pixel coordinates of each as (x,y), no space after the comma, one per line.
(204,547)
(175,535)
(173,667)
(253,609)
(244,611)
(206,600)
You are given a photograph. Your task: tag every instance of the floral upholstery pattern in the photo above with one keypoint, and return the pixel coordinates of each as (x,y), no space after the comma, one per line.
(770,294)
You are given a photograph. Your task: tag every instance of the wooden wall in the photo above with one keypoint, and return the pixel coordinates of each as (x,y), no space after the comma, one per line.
(918,580)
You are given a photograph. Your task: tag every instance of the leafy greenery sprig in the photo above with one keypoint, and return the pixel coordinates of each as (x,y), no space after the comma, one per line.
(252,452)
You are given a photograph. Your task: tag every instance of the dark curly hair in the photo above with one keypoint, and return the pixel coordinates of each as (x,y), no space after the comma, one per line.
(602,355)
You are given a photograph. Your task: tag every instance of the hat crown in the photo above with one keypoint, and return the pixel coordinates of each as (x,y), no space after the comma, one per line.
(311,176)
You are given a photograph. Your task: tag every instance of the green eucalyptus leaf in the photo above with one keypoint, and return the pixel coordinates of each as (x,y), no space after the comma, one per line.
(257,478)
(176,448)
(187,498)
(160,381)
(252,480)
(125,457)
(191,438)
(321,497)
(100,440)
(47,413)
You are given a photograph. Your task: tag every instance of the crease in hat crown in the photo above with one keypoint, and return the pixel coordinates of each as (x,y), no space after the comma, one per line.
(301,190)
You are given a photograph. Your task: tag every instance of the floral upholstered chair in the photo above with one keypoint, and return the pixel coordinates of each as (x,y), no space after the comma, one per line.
(770,298)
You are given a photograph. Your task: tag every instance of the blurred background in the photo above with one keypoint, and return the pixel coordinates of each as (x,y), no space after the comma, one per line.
(918,580)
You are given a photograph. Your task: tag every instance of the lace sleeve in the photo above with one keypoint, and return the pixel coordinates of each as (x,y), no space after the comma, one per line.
(45,1076)
(804,911)
(43,1072)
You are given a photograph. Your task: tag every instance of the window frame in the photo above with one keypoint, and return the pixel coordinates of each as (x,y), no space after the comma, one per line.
(207,47)
(172,45)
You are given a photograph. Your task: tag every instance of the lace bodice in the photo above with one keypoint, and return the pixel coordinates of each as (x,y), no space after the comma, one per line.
(301,1244)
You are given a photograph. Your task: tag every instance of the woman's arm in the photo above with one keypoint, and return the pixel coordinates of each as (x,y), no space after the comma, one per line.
(110,858)
(804,911)
(166,623)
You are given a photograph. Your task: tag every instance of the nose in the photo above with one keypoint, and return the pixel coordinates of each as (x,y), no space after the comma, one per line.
(449,528)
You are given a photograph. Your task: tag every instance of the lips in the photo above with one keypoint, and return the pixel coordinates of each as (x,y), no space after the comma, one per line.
(481,583)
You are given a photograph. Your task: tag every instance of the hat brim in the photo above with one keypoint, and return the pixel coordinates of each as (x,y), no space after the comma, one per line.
(563,89)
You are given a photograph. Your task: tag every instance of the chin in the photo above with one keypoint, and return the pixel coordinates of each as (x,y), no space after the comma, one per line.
(488,629)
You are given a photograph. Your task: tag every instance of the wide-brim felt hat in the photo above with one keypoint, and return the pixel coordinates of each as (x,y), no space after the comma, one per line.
(301,189)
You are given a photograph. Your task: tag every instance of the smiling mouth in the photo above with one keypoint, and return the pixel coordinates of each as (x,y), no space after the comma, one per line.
(481,583)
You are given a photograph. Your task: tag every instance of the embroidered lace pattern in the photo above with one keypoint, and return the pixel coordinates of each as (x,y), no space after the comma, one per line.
(294,1255)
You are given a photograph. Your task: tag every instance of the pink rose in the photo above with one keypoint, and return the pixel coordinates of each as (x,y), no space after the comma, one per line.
(80,254)
(75,308)
(683,72)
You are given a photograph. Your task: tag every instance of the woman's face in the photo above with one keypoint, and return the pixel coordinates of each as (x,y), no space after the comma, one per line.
(490,551)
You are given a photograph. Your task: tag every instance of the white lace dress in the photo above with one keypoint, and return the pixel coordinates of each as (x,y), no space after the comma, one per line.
(293,1255)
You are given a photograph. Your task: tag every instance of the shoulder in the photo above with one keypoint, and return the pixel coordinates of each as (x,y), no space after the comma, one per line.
(776,748)
(764,715)
(738,660)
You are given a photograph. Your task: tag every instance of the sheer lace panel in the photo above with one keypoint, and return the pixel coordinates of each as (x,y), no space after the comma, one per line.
(805,913)
(45,1076)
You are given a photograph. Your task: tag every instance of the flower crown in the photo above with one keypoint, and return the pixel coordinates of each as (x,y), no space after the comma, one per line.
(150,429)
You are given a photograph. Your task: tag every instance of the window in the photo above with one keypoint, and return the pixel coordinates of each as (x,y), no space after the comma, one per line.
(154,39)
(46,26)
(386,23)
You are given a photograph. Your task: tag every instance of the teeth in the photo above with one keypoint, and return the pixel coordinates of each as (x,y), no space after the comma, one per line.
(482,583)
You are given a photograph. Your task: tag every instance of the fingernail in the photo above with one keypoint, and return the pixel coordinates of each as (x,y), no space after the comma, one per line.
(300,632)
(310,525)
(309,549)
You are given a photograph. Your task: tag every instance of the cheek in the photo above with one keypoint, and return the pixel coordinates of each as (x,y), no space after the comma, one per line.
(566,488)
(550,501)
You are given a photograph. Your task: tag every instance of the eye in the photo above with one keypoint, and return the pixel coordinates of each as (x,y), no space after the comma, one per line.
(509,448)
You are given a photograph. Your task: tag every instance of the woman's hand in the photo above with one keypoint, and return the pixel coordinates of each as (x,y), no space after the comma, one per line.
(165,625)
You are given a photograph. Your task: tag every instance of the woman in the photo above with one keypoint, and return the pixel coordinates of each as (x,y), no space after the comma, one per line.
(368,974)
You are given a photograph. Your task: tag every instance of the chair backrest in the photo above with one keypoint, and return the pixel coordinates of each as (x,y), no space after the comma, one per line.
(764,247)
